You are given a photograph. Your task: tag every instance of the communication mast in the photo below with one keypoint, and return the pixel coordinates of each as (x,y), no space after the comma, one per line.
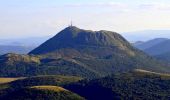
(71,24)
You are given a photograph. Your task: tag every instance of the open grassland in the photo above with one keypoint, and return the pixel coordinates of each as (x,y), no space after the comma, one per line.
(8,80)
(142,73)
(50,88)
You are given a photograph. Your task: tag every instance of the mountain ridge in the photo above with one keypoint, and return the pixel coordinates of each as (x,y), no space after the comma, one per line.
(73,36)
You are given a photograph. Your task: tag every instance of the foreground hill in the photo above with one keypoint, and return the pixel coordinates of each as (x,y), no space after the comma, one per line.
(79,52)
(138,84)
(38,87)
(135,85)
(44,80)
(42,93)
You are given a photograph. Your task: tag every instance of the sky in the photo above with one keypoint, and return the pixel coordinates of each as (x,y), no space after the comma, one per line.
(38,18)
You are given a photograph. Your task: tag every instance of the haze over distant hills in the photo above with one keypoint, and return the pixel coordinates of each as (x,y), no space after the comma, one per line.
(148,44)
(146,35)
(15,49)
(30,41)
(159,48)
(20,45)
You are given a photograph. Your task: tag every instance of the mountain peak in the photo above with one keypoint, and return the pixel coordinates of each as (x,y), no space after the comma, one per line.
(72,37)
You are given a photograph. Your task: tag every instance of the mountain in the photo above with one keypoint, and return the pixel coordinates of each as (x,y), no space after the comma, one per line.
(134,85)
(149,44)
(159,48)
(73,37)
(137,43)
(15,49)
(101,52)
(83,53)
(20,45)
(28,42)
(146,35)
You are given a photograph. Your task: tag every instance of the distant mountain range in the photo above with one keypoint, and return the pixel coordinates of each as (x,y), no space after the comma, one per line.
(15,49)
(30,41)
(146,35)
(159,48)
(21,45)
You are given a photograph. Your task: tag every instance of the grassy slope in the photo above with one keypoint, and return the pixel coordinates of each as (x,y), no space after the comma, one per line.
(7,80)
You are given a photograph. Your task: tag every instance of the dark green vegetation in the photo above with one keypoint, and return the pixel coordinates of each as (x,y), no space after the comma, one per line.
(164,57)
(42,93)
(79,52)
(135,85)
(39,88)
(14,65)
(44,80)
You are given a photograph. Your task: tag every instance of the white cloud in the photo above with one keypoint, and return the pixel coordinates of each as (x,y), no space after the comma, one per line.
(125,6)
(99,4)
(155,6)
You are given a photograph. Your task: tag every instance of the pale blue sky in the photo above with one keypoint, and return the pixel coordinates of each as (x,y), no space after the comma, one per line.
(32,18)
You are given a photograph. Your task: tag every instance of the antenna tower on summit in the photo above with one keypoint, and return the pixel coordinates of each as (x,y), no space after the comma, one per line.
(71,24)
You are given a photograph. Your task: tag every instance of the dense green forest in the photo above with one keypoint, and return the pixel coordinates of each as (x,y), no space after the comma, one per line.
(126,86)
(137,84)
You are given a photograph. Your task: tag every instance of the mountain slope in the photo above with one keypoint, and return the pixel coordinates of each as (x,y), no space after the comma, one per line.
(102,52)
(14,65)
(74,37)
(164,57)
